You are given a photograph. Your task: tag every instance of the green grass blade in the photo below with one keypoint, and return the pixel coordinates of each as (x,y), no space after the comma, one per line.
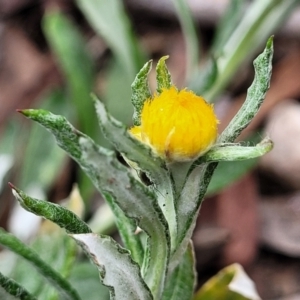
(227,25)
(190,36)
(109,20)
(15,245)
(68,45)
(14,289)
(261,20)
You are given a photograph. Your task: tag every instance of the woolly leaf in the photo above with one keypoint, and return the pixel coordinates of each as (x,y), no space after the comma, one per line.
(255,95)
(236,152)
(140,92)
(110,177)
(51,211)
(117,134)
(163,76)
(117,270)
(189,202)
(181,283)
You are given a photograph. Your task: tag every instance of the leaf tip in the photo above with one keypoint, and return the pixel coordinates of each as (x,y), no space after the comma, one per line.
(22,111)
(270,42)
(12,186)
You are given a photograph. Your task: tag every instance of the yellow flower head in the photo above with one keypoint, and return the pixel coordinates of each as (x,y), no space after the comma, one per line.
(177,125)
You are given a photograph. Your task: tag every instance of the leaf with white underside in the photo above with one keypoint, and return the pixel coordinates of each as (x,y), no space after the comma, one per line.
(117,269)
(255,95)
(111,177)
(140,92)
(189,202)
(163,76)
(236,152)
(117,134)
(230,283)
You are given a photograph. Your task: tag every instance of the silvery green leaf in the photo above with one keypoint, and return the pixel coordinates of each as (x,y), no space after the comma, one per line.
(117,134)
(111,178)
(236,152)
(140,92)
(117,269)
(51,211)
(189,202)
(188,206)
(163,76)
(181,282)
(255,95)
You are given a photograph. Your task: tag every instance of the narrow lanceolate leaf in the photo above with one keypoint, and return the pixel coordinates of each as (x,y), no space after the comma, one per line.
(51,211)
(14,289)
(110,177)
(181,283)
(236,152)
(140,92)
(255,95)
(190,200)
(117,134)
(190,34)
(110,21)
(126,228)
(117,269)
(228,23)
(15,245)
(163,76)
(74,60)
(188,206)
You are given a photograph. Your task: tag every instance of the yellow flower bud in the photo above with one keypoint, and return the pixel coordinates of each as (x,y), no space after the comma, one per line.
(177,125)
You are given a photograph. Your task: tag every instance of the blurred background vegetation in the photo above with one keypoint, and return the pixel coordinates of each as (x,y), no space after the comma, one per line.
(54,53)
